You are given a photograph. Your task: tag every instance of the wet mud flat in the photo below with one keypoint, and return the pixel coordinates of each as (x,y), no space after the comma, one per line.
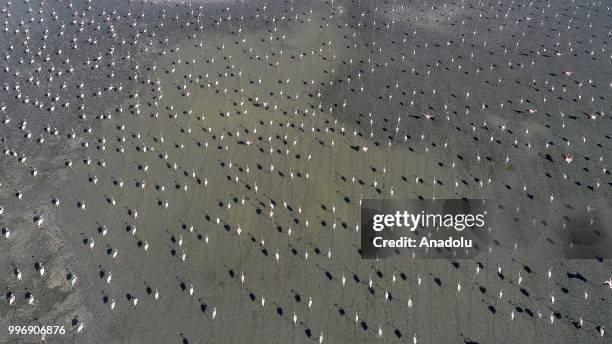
(218,161)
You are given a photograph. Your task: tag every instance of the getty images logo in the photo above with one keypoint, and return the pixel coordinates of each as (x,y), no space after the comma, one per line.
(424,228)
(411,221)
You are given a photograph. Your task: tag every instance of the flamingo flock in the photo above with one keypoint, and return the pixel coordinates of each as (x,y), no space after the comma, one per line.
(211,158)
